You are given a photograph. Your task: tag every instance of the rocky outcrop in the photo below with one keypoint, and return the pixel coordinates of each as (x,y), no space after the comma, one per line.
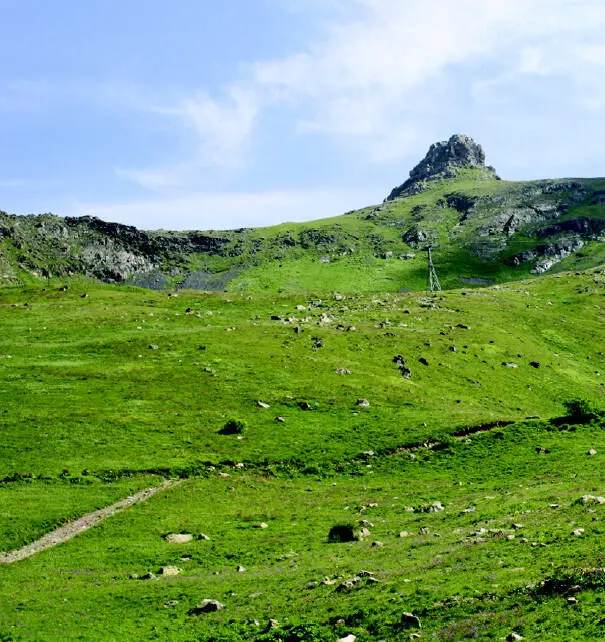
(443,160)
(547,255)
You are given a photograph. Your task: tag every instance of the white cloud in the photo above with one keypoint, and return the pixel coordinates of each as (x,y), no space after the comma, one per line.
(364,82)
(222,131)
(382,78)
(223,211)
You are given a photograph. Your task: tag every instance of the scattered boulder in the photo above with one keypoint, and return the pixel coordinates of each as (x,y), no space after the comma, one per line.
(305,405)
(410,621)
(435,507)
(509,364)
(241,569)
(578,532)
(590,500)
(207,606)
(342,533)
(271,625)
(592,452)
(280,420)
(514,637)
(405,372)
(171,571)
(343,371)
(348,638)
(362,403)
(542,451)
(463,326)
(154,347)
(534,364)
(232,427)
(149,576)
(262,404)
(178,538)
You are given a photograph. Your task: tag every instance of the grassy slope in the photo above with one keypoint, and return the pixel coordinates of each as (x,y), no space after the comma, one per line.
(287,257)
(279,268)
(83,391)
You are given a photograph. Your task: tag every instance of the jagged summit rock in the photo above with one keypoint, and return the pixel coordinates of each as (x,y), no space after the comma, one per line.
(443,160)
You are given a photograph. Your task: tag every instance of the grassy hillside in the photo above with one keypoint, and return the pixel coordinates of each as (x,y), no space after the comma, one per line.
(480,227)
(106,389)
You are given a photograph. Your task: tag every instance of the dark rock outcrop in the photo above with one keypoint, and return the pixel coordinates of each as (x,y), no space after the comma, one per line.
(443,160)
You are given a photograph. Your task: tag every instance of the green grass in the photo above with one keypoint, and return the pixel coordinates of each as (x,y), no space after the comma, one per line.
(104,395)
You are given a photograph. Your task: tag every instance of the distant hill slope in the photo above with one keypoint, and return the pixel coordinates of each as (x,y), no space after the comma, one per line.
(482,229)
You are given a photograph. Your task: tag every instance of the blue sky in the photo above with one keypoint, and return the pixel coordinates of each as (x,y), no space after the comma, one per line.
(197,114)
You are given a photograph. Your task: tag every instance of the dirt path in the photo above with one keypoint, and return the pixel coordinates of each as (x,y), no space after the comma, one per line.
(65,533)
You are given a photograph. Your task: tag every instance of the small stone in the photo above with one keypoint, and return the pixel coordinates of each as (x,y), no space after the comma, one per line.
(514,637)
(343,371)
(365,522)
(590,500)
(377,544)
(241,569)
(263,525)
(404,534)
(592,452)
(534,364)
(364,532)
(262,404)
(347,585)
(572,600)
(203,537)
(149,576)
(280,420)
(363,403)
(410,621)
(509,364)
(178,538)
(348,638)
(578,532)
(207,606)
(154,347)
(423,361)
(171,571)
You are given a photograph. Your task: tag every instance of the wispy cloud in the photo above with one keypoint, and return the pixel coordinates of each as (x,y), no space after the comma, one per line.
(222,130)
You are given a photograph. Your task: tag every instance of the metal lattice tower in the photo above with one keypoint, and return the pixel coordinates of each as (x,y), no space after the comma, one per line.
(433,281)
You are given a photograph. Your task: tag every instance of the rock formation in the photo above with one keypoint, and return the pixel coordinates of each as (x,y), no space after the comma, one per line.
(443,160)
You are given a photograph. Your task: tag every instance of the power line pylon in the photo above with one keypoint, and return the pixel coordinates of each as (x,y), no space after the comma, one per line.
(433,281)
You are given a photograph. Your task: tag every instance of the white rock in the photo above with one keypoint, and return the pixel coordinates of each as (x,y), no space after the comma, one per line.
(178,538)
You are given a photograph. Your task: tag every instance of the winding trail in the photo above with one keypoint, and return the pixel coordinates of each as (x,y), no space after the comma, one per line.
(70,530)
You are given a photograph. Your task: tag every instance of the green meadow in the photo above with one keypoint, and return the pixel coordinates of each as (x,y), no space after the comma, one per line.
(467,473)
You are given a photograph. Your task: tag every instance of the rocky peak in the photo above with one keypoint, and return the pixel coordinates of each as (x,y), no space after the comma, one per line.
(443,160)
